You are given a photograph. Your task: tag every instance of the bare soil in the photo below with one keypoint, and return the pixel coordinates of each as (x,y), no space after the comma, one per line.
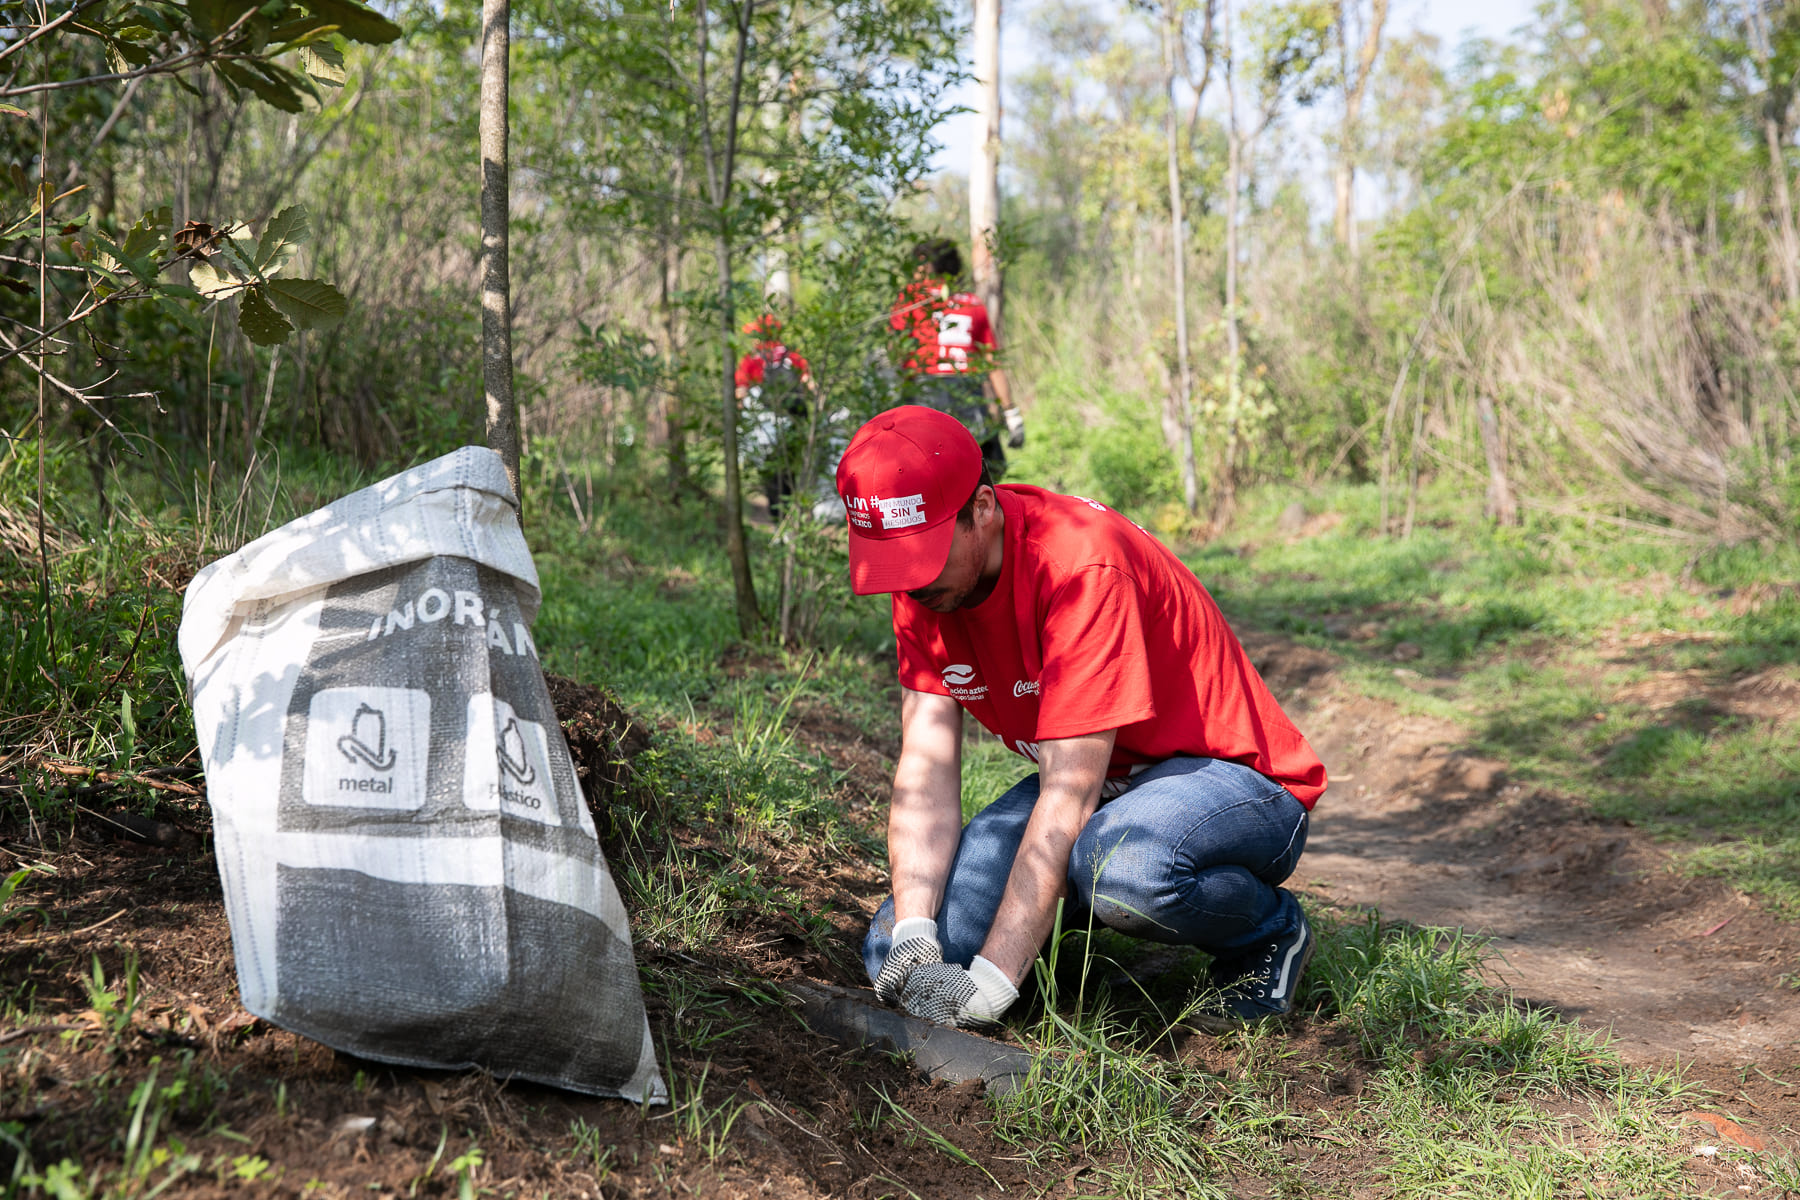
(1588,916)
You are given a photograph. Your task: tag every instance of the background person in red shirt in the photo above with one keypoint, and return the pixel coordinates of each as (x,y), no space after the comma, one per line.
(774,385)
(1172,793)
(953,356)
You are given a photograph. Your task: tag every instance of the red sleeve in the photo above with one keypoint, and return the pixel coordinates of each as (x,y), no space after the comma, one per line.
(1096,672)
(800,366)
(981,330)
(749,370)
(913,645)
(901,315)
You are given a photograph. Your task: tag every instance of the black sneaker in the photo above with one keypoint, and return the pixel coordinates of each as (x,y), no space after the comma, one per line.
(1258,986)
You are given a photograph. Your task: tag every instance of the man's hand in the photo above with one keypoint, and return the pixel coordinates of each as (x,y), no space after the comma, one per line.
(1015,427)
(915,944)
(967,997)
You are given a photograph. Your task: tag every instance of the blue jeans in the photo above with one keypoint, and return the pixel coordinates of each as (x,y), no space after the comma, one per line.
(1190,855)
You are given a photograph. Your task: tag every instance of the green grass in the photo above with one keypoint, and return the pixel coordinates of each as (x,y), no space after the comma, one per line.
(1528,636)
(1467,1092)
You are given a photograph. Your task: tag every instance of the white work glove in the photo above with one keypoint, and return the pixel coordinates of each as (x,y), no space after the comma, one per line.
(1015,427)
(915,942)
(968,997)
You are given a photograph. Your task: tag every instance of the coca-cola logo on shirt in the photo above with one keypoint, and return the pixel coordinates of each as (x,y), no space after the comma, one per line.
(1025,687)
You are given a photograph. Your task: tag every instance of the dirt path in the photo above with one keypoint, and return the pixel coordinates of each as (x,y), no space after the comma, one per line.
(1587,915)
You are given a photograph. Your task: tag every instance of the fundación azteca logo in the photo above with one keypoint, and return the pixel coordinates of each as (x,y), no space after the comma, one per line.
(960,679)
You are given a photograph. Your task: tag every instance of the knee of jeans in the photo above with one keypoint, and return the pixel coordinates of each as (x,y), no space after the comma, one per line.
(1107,873)
(879,940)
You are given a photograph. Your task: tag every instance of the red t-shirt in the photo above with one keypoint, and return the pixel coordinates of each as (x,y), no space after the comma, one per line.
(754,365)
(953,334)
(1096,625)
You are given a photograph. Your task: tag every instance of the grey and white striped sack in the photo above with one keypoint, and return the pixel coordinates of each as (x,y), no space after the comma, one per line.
(410,870)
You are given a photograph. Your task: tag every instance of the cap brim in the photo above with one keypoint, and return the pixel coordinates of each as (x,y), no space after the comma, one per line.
(900,564)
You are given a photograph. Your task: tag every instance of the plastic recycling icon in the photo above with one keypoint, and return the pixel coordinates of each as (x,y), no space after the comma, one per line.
(514,759)
(367,740)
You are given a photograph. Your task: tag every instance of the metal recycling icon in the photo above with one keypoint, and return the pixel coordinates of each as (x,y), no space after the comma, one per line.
(356,745)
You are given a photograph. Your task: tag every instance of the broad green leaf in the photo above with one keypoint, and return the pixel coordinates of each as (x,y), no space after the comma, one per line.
(319,67)
(285,233)
(149,234)
(178,290)
(281,77)
(306,31)
(355,22)
(312,303)
(213,17)
(276,95)
(240,254)
(212,280)
(129,53)
(135,33)
(259,320)
(224,76)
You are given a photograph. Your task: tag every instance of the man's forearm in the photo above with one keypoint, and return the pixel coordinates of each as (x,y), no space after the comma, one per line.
(1002,387)
(923,833)
(925,819)
(1073,771)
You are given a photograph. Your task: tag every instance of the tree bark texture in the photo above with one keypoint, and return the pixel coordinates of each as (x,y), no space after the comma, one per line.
(984,170)
(1190,483)
(502,410)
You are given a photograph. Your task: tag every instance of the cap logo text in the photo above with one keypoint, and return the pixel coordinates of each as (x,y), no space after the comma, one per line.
(898,512)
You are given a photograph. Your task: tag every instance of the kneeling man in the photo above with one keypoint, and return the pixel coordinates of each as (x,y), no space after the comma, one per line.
(1172,792)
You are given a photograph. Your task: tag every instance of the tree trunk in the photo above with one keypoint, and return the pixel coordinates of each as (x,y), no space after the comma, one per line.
(502,415)
(984,171)
(720,165)
(674,423)
(1787,239)
(1500,507)
(1190,483)
(1225,490)
(1776,103)
(1350,128)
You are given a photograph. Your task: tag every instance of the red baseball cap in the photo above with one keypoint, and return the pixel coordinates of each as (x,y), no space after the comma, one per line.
(902,480)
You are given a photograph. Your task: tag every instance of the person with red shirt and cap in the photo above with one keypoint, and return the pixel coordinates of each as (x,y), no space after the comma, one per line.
(1172,793)
(953,353)
(773,384)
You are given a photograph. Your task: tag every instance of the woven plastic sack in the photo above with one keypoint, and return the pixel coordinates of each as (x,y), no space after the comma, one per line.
(411,872)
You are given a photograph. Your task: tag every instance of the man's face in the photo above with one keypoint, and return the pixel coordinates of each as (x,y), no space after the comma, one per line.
(961,584)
